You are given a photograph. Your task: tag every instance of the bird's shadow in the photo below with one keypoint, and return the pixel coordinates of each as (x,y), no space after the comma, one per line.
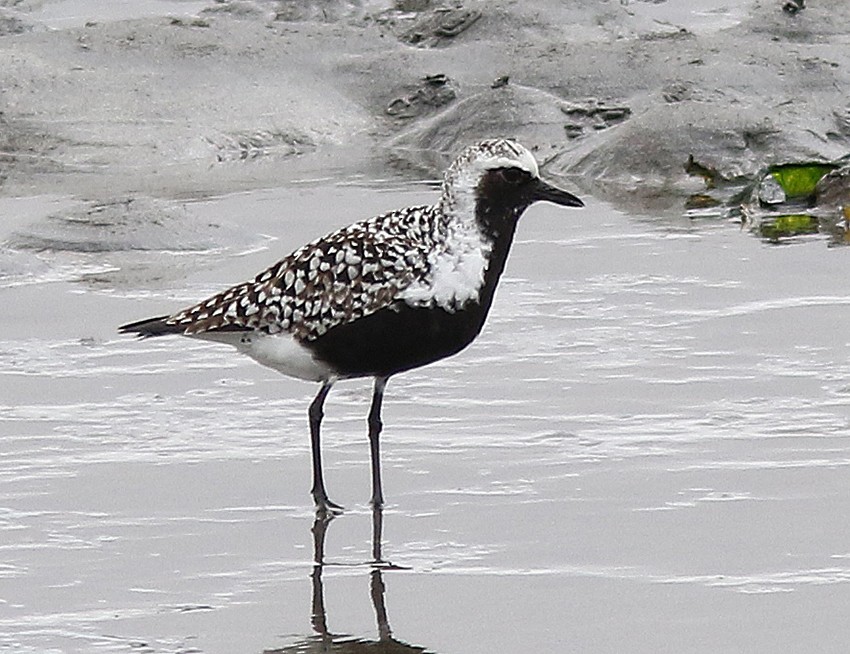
(323,639)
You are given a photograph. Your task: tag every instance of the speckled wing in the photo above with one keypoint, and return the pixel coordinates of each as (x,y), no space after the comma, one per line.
(331,281)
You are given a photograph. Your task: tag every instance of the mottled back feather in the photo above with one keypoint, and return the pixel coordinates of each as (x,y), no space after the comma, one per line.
(334,280)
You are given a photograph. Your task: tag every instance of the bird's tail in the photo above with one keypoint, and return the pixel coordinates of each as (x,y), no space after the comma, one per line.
(151,327)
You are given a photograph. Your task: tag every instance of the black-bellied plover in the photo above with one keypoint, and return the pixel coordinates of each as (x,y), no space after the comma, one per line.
(383,295)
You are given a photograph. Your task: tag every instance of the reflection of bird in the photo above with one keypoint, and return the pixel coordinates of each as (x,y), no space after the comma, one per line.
(324,640)
(380,296)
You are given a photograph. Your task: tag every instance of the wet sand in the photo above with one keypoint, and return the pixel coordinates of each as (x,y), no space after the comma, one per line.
(646,455)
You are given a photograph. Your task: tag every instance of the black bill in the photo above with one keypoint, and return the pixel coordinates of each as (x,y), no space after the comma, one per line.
(549,193)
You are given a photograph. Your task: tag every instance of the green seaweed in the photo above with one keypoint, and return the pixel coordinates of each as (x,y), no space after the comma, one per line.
(799,180)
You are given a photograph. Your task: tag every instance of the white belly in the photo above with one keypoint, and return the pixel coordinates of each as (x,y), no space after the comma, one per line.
(280,352)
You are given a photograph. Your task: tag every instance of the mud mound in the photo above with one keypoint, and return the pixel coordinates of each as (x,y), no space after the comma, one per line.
(534,117)
(125,224)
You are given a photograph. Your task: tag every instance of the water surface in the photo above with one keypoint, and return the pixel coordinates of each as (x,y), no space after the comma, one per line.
(646,450)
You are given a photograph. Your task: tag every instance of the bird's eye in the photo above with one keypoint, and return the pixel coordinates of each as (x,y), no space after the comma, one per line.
(513,175)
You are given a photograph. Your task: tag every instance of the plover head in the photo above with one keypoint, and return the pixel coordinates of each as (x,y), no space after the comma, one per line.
(497,173)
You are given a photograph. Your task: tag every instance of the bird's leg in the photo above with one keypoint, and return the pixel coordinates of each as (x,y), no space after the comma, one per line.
(375,426)
(320,495)
(377,534)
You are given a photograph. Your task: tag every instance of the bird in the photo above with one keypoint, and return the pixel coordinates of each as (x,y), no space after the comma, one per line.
(381,296)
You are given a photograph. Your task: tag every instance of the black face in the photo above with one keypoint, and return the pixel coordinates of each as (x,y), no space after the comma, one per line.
(517,189)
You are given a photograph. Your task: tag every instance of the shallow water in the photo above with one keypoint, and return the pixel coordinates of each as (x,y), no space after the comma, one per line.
(646,450)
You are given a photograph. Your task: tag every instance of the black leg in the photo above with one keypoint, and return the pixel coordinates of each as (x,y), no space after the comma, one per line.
(375,426)
(320,495)
(377,534)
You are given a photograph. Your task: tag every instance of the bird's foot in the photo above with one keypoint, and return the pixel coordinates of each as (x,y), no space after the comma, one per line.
(325,506)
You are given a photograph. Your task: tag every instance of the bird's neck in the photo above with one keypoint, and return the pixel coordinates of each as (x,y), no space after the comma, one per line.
(497,224)
(466,210)
(484,232)
(472,239)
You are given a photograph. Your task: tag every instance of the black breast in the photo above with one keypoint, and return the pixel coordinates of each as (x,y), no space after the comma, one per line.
(398,338)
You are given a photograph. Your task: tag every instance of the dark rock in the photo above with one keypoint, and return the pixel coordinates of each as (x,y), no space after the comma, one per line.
(499,82)
(433,91)
(792,7)
(440,24)
(593,115)
(833,189)
(677,92)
